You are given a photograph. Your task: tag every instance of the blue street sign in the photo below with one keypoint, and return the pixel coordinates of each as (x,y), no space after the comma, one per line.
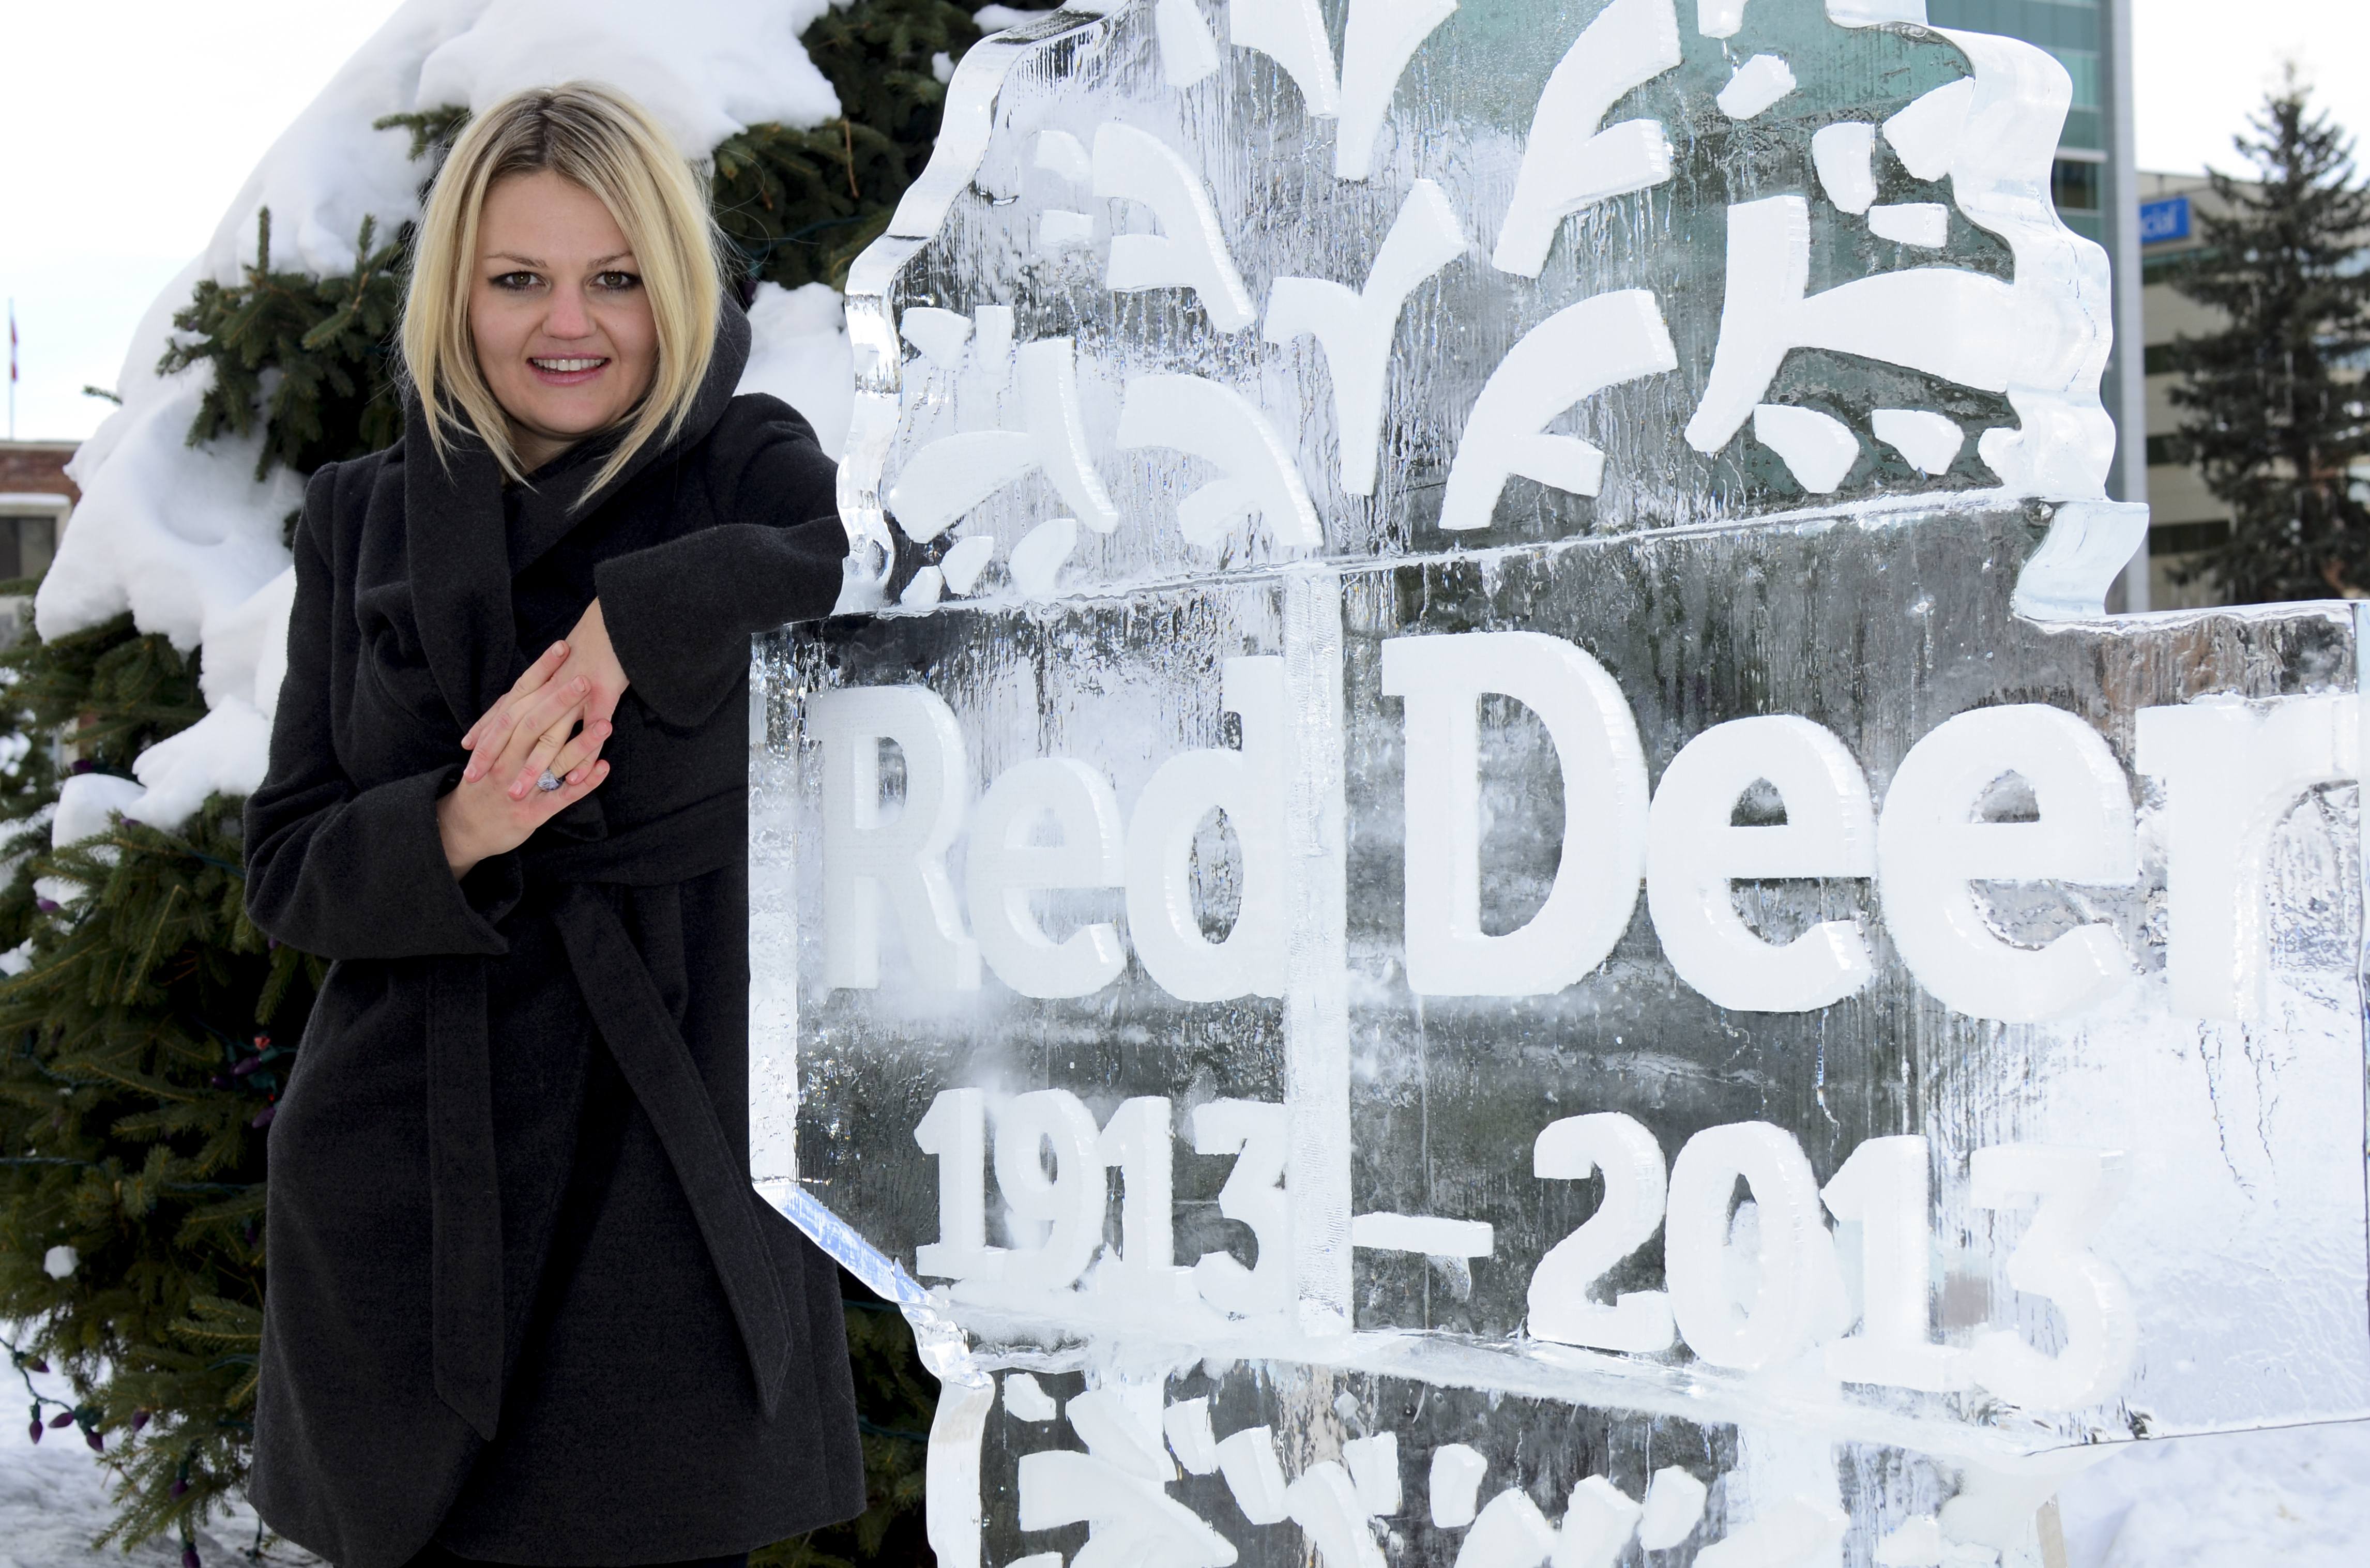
(2168,219)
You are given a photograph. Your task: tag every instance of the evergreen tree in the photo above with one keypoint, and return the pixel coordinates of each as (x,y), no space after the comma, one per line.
(141,1067)
(2276,398)
(895,1399)
(142,1047)
(800,205)
(327,337)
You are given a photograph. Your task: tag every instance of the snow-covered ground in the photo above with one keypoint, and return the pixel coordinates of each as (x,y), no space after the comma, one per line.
(53,1503)
(2297,1498)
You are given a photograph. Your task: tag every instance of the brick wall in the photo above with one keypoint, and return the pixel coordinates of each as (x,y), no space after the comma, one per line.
(37,468)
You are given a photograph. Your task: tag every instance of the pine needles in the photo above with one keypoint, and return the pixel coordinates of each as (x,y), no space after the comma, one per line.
(129,1131)
(136,1126)
(2277,417)
(800,205)
(896,1398)
(328,339)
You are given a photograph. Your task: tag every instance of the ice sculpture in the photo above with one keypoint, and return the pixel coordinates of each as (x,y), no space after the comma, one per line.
(1531,916)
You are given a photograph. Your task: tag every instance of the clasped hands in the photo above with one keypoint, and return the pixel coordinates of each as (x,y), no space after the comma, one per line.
(554,721)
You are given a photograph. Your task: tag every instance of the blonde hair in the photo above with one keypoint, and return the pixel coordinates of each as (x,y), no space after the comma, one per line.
(602,140)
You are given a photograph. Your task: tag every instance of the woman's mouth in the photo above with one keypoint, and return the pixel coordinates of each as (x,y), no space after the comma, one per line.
(570,371)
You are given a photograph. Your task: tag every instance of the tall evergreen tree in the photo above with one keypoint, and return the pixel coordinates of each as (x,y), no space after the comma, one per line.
(2277,414)
(145,1025)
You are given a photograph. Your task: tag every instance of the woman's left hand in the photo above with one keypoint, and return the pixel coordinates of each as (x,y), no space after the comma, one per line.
(589,659)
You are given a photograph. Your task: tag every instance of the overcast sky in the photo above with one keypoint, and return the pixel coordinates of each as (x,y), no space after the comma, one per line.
(126,127)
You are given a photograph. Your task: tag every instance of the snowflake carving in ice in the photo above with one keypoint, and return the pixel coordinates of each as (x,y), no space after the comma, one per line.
(1951,322)
(1461,330)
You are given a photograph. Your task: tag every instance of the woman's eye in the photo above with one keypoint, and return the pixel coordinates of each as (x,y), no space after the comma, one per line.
(618,280)
(516,281)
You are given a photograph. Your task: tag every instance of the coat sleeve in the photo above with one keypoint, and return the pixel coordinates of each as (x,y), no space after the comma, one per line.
(681,614)
(341,871)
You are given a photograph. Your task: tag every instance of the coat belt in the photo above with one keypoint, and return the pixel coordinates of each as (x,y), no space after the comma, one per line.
(466,1280)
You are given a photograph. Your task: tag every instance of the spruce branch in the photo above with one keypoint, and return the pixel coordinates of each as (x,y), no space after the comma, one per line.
(2277,417)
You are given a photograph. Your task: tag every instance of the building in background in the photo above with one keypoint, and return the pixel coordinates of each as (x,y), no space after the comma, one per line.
(2188,518)
(2084,36)
(2096,184)
(36,499)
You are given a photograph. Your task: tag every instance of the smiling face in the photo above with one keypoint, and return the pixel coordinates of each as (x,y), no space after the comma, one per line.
(563,329)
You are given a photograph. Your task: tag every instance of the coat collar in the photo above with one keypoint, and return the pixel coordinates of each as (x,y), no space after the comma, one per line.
(463,552)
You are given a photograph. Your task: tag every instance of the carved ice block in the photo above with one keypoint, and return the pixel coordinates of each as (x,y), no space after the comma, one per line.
(2047,972)
(1419,201)
(1531,914)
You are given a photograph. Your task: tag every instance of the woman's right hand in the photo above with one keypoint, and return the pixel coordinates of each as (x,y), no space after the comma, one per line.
(484,817)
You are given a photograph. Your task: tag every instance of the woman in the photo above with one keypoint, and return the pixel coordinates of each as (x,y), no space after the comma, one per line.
(524,1306)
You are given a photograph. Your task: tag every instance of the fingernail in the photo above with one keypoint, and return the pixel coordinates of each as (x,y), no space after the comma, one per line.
(584,685)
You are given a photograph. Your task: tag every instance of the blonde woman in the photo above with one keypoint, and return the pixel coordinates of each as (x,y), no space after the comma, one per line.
(524,1307)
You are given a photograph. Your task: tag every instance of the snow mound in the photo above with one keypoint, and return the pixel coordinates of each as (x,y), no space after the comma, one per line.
(799,353)
(186,539)
(84,802)
(705,72)
(55,1499)
(2294,1496)
(224,752)
(176,534)
(706,68)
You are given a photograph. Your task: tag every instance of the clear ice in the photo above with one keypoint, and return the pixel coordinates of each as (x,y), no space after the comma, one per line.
(1503,900)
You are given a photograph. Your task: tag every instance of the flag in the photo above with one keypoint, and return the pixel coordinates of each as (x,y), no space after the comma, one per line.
(11,342)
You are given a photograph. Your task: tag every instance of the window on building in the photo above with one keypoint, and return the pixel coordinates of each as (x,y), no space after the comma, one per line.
(2082,65)
(2074,23)
(25,545)
(2076,184)
(2067,29)
(2170,450)
(2187,539)
(2164,268)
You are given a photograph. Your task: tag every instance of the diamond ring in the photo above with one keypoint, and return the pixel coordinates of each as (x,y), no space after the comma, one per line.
(548,782)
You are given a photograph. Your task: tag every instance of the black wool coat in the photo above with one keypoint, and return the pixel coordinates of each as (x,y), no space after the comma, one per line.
(523,1300)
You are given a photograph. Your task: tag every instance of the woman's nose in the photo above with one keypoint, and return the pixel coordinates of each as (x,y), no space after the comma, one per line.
(569,318)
